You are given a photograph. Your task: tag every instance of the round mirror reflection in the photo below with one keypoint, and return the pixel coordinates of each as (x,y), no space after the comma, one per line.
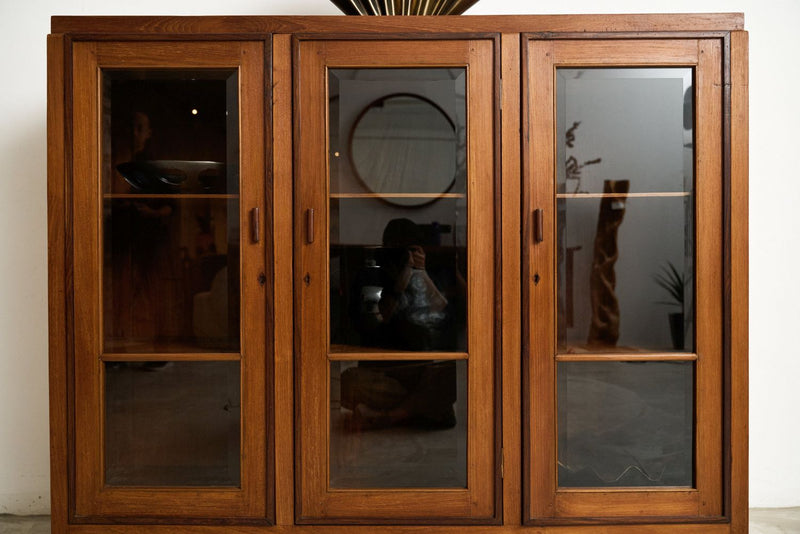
(404,147)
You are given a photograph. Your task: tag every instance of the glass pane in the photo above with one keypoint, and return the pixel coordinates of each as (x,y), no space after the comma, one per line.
(398,209)
(171,210)
(404,144)
(625,221)
(625,424)
(625,124)
(172,424)
(398,424)
(625,281)
(171,275)
(398,283)
(170,131)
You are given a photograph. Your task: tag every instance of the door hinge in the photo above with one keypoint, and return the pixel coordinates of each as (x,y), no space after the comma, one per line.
(502,463)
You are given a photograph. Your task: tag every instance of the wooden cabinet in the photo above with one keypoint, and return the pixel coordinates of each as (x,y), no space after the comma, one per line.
(347,274)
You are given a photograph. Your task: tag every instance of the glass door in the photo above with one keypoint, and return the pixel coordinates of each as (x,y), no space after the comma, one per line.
(395,279)
(170,315)
(625,367)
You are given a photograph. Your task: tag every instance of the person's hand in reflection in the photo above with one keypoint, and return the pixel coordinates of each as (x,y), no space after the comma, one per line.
(409,296)
(416,257)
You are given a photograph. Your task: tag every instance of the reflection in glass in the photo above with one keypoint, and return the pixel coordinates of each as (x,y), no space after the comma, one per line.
(398,424)
(170,131)
(614,253)
(394,124)
(172,423)
(170,275)
(398,258)
(401,285)
(404,144)
(171,211)
(625,210)
(625,124)
(625,424)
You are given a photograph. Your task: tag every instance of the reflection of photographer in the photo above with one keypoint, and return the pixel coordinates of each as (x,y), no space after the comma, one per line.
(406,311)
(411,306)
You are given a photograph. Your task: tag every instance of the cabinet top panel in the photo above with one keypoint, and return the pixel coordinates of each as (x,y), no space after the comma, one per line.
(240,25)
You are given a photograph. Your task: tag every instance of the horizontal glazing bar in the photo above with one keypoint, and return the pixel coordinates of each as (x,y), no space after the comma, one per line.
(167,357)
(398,195)
(601,491)
(373,355)
(622,357)
(170,195)
(624,195)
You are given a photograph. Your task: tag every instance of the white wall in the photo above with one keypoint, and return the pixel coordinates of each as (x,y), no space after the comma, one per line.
(774,237)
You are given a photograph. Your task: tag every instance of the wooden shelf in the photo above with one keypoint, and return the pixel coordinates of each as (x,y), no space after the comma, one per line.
(398,195)
(356,353)
(624,195)
(123,349)
(597,352)
(627,357)
(170,357)
(147,196)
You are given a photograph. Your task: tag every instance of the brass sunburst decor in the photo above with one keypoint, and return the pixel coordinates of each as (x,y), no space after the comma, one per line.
(403,7)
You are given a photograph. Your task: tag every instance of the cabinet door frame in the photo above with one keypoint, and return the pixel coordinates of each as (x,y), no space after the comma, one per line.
(544,502)
(95,502)
(315,501)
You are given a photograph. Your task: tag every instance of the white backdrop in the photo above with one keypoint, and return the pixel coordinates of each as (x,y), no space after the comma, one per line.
(774,228)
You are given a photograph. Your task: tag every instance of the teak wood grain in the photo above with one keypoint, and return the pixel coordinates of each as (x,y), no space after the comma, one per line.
(511,342)
(737,382)
(58,290)
(512,162)
(281,91)
(538,180)
(708,277)
(108,27)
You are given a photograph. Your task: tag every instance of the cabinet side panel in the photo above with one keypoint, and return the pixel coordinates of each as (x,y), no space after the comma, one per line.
(739,281)
(57,286)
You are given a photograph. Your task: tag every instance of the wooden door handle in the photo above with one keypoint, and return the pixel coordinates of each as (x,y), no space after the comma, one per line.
(538,226)
(310,225)
(255,225)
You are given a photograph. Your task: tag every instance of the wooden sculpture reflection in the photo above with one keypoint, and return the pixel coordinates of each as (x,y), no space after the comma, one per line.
(604,326)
